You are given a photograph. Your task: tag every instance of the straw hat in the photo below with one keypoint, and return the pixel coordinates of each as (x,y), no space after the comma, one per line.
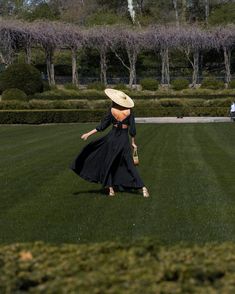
(119,97)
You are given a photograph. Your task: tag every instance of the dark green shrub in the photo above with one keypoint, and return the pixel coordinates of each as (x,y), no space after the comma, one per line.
(149,84)
(120,87)
(96,86)
(180,84)
(14,94)
(232,84)
(212,83)
(22,76)
(70,86)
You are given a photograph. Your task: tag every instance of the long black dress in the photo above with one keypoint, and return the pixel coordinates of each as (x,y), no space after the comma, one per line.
(108,159)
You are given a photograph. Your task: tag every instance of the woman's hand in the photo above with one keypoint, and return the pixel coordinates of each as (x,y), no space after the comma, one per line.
(134,145)
(85,136)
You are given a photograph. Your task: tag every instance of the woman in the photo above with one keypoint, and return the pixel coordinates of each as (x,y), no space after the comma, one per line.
(108,160)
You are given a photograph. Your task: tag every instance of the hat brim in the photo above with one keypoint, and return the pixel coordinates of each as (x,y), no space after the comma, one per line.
(119,97)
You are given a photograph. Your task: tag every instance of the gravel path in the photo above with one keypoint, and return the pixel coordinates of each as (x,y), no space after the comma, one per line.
(182,120)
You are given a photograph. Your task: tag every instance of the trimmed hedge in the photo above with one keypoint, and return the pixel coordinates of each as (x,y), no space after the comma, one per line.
(49,116)
(84,115)
(98,104)
(64,94)
(144,266)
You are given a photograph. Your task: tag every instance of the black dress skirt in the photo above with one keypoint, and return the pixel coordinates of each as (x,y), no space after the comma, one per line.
(108,159)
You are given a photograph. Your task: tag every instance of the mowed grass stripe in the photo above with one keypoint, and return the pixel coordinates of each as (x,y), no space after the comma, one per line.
(44,200)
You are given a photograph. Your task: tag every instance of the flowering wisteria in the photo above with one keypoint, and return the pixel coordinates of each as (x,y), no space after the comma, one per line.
(125,42)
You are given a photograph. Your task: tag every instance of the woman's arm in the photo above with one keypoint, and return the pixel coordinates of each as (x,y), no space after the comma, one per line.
(132,130)
(86,135)
(104,123)
(133,142)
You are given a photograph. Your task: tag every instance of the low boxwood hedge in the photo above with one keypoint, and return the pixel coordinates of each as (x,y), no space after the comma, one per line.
(93,115)
(144,266)
(68,94)
(49,116)
(97,104)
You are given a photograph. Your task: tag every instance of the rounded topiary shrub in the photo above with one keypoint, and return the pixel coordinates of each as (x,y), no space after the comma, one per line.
(22,76)
(180,84)
(14,94)
(212,83)
(96,86)
(149,84)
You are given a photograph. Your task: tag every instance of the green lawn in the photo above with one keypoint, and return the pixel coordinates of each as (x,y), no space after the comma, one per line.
(189,169)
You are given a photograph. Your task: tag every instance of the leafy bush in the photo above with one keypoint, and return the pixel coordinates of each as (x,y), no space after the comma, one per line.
(212,83)
(96,86)
(120,87)
(21,76)
(14,94)
(180,84)
(149,84)
(70,86)
(143,266)
(232,84)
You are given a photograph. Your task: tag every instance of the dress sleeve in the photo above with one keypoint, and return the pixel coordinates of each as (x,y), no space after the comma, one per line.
(105,122)
(132,129)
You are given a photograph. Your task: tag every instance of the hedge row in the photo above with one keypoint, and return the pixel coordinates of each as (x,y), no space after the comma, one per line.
(95,94)
(84,115)
(114,267)
(96,104)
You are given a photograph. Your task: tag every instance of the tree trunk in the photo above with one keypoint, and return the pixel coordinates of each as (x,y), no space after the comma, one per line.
(195,68)
(103,67)
(74,67)
(165,66)
(28,54)
(132,70)
(207,10)
(176,13)
(50,67)
(227,63)
(184,11)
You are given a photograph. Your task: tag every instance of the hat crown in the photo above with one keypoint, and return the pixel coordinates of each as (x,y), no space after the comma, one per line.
(122,95)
